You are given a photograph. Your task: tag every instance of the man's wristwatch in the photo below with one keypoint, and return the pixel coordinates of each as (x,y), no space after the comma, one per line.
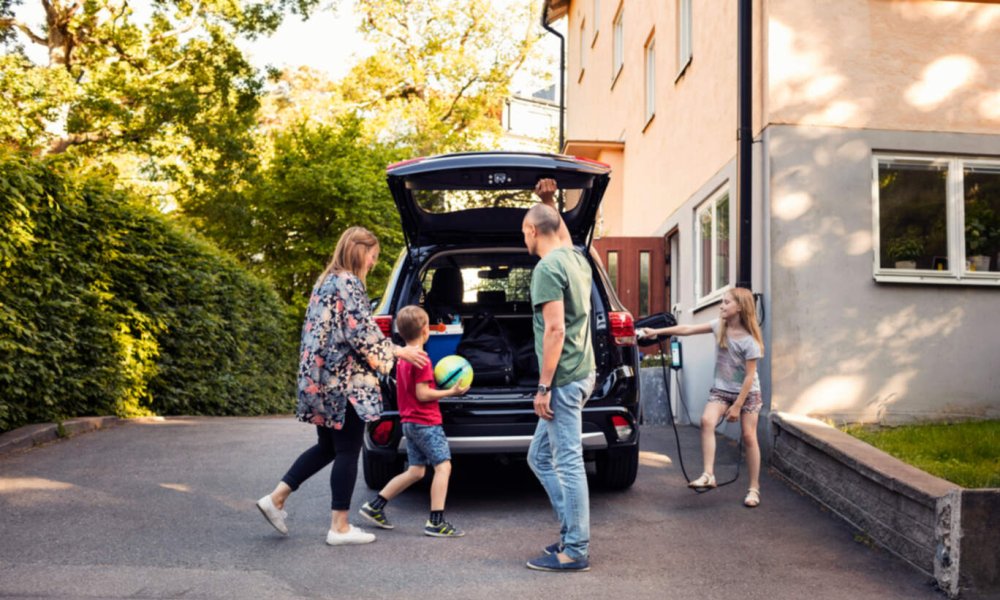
(543,389)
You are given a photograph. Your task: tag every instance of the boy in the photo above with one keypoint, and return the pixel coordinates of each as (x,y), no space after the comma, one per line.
(417,400)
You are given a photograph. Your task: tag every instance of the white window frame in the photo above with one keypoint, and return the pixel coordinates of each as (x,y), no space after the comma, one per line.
(597,22)
(618,44)
(711,204)
(684,45)
(650,79)
(956,274)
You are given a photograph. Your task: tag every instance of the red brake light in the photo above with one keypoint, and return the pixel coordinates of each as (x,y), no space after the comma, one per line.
(384,323)
(382,432)
(404,163)
(623,429)
(622,328)
(592,161)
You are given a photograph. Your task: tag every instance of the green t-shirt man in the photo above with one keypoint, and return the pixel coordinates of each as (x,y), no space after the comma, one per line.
(564,274)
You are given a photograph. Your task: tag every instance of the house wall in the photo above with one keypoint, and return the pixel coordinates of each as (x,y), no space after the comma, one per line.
(875,64)
(843,346)
(667,159)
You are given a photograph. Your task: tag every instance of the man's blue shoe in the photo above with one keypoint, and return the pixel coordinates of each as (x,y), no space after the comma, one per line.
(553,548)
(550,562)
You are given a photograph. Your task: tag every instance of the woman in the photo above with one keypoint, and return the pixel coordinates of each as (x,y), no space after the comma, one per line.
(342,350)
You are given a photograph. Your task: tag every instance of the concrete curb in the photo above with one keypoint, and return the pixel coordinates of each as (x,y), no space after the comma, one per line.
(30,436)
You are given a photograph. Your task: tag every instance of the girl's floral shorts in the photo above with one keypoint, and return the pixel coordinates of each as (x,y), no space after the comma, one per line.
(751,405)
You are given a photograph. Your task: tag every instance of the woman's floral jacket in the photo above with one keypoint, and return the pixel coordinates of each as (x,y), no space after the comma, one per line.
(342,350)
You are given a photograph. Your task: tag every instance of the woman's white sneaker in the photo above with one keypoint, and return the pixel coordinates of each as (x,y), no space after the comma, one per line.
(354,535)
(273,514)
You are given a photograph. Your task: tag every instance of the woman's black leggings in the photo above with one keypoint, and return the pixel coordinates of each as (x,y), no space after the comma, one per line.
(344,446)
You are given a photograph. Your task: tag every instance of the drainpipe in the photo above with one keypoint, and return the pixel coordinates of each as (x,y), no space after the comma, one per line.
(562,71)
(744,157)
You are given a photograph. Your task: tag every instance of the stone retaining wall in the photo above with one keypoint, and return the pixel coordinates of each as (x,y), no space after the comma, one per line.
(942,530)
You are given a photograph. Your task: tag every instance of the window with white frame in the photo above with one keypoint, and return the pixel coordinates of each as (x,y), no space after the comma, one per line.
(597,21)
(618,43)
(712,247)
(650,78)
(936,219)
(683,35)
(583,48)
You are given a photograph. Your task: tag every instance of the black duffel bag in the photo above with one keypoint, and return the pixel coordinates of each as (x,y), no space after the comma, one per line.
(485,345)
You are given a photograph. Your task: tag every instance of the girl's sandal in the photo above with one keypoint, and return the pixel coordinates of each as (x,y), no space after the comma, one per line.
(753,498)
(707,480)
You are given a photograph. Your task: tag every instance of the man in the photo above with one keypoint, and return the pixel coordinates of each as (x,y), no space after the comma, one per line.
(560,296)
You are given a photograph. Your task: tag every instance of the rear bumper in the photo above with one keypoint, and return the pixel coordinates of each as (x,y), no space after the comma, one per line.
(512,436)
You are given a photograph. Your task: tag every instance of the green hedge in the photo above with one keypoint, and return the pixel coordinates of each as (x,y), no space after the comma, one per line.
(108,307)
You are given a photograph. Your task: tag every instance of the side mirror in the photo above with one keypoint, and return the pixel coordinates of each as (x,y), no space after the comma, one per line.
(656,321)
(375,302)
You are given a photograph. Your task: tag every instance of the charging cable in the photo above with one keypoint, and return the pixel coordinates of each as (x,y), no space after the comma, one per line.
(677,437)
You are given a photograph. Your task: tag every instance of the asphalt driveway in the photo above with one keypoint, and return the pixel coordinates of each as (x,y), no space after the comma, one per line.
(166,510)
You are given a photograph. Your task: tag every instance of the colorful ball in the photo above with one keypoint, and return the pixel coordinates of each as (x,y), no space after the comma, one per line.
(452,370)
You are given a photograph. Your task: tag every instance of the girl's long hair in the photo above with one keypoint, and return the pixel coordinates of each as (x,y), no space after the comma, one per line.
(350,253)
(748,317)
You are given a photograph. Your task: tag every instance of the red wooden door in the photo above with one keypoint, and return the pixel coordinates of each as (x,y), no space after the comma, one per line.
(636,266)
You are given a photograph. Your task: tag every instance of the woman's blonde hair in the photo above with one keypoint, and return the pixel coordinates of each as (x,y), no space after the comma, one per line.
(748,317)
(349,255)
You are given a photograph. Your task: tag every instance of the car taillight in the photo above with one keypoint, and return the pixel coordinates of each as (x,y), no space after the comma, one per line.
(382,433)
(623,429)
(384,323)
(622,328)
(403,163)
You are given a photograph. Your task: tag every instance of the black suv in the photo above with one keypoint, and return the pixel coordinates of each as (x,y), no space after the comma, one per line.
(465,262)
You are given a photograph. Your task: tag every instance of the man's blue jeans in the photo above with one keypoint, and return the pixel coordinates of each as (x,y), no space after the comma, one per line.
(556,457)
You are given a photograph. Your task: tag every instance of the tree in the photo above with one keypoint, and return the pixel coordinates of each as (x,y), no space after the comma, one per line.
(170,88)
(285,222)
(441,70)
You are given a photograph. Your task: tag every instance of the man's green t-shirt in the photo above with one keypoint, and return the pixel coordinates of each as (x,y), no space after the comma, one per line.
(564,274)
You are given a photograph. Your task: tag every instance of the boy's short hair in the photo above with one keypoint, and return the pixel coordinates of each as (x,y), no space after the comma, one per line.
(410,321)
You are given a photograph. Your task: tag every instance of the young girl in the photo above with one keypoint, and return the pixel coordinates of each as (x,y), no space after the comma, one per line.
(736,392)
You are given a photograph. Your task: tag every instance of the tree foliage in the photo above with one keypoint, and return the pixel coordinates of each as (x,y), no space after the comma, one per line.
(441,70)
(169,87)
(108,308)
(320,180)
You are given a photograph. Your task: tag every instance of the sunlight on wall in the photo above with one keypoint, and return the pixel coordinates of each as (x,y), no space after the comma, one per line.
(989,106)
(798,251)
(791,206)
(858,242)
(941,79)
(26,484)
(836,113)
(836,393)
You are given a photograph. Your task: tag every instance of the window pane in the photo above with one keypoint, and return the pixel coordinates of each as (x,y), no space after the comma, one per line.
(643,284)
(613,269)
(722,242)
(705,251)
(982,217)
(912,215)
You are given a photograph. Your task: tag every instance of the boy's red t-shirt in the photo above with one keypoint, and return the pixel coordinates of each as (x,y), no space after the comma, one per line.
(412,410)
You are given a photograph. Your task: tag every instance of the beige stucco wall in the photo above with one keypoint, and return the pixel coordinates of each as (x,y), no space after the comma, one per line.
(879,64)
(693,133)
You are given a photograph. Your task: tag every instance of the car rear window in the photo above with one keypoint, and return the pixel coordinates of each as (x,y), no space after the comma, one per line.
(446,201)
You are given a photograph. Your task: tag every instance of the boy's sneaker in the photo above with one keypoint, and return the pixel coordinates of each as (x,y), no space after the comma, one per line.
(442,529)
(375,516)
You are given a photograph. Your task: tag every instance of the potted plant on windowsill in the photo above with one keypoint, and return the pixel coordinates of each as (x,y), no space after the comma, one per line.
(905,250)
(982,235)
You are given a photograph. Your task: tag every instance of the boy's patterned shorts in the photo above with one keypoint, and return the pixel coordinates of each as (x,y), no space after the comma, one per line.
(426,444)
(751,405)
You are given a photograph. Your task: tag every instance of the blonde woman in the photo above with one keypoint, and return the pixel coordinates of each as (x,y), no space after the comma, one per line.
(736,392)
(341,353)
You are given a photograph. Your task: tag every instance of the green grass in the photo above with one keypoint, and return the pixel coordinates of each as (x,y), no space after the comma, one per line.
(967,453)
